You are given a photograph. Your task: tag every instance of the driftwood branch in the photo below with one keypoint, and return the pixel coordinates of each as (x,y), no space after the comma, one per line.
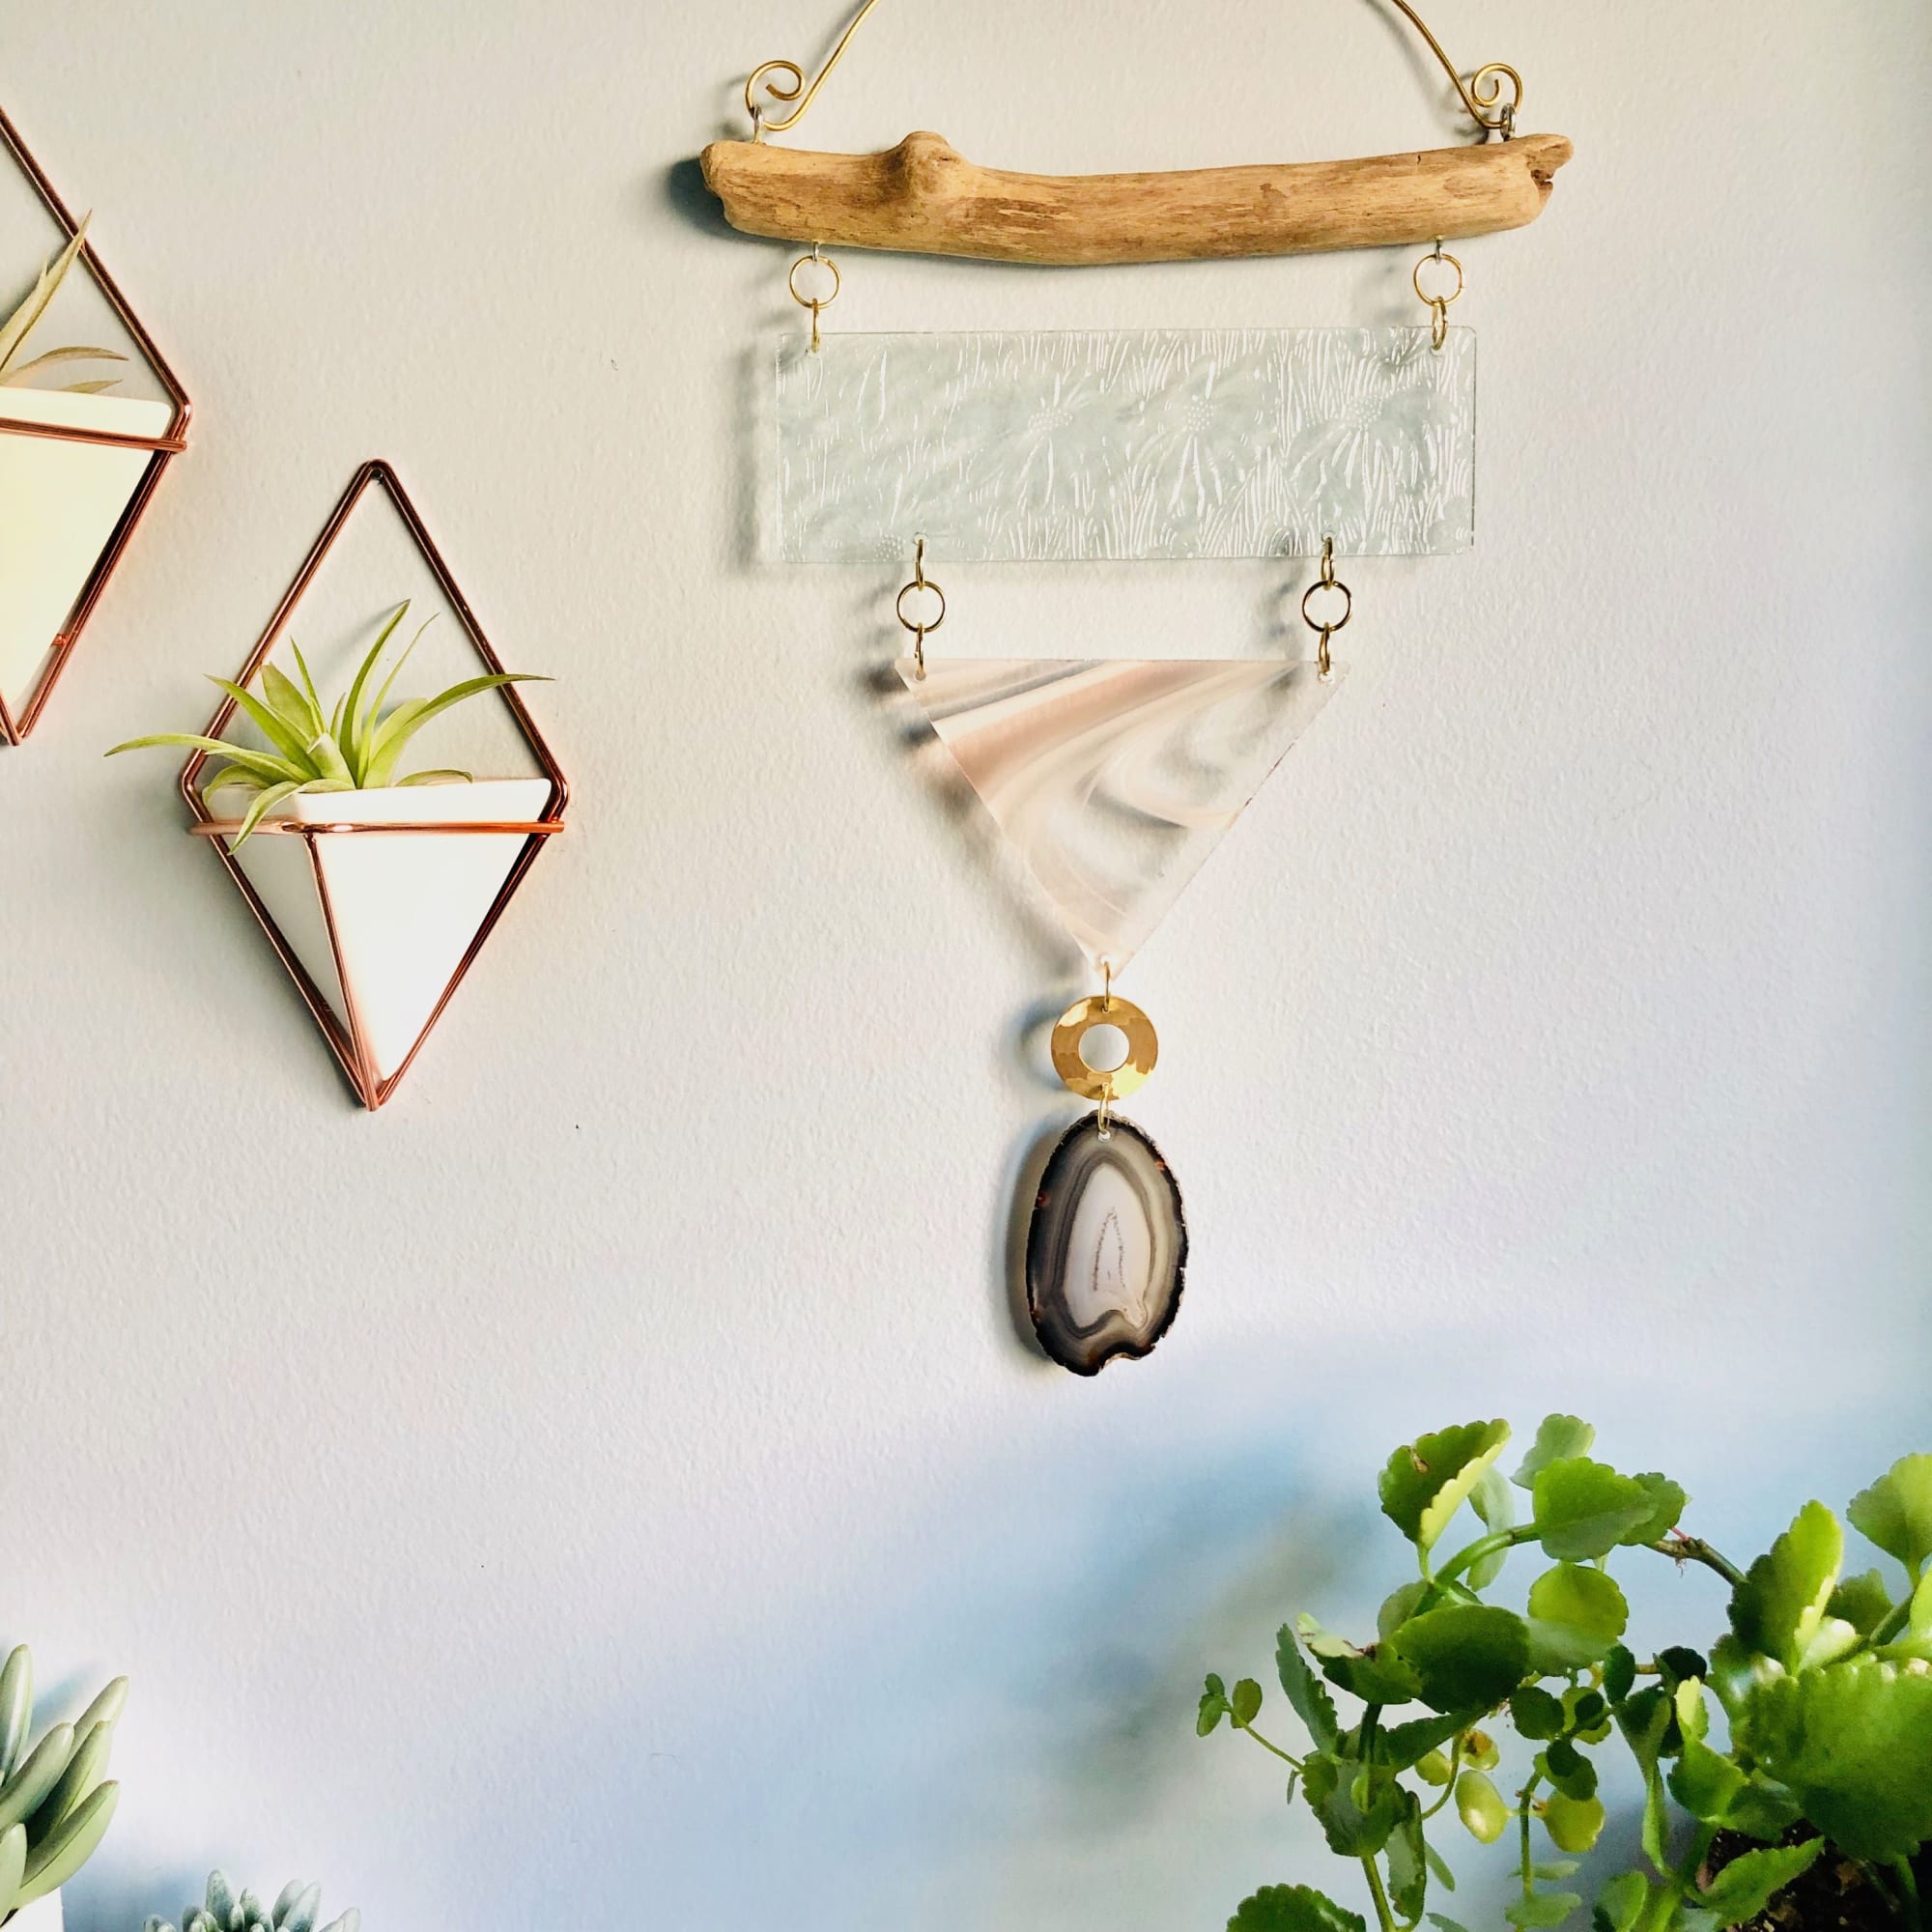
(924,198)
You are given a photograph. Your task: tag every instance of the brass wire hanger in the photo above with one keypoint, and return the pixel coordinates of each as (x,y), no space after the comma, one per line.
(1481,93)
(923,197)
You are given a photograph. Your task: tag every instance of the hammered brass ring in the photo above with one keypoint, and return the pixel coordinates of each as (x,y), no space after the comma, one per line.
(1078,1021)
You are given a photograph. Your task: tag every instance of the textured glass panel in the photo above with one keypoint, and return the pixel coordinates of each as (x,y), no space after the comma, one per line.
(1115,778)
(1145,443)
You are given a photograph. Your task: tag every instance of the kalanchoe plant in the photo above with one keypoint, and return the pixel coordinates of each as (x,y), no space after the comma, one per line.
(18,326)
(54,1807)
(357,746)
(225,1910)
(1825,1683)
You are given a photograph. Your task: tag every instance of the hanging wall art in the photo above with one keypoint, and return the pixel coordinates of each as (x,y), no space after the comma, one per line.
(81,452)
(376,877)
(1113,780)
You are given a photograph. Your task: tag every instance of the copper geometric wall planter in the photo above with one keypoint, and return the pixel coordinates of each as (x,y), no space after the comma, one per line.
(77,472)
(378,901)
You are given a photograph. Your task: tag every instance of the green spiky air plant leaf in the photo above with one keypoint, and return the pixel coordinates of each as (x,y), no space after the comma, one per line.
(355,748)
(20,324)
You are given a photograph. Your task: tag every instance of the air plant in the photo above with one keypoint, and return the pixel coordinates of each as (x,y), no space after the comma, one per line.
(357,749)
(54,1807)
(19,326)
(228,1910)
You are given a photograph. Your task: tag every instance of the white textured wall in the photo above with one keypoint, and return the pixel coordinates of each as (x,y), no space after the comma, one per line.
(607,1488)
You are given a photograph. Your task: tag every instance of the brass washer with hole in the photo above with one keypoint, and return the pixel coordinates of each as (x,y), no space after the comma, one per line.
(1080,1019)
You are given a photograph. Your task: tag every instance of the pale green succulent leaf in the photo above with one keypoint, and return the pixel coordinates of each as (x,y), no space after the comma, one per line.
(37,1775)
(108,1703)
(84,1773)
(298,1907)
(55,1859)
(349,1921)
(442,776)
(12,1865)
(16,1708)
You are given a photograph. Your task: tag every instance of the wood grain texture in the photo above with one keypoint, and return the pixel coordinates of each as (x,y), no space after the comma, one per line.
(923,197)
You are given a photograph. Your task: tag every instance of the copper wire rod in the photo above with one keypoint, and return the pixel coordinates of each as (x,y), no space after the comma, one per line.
(172,446)
(14,731)
(436,828)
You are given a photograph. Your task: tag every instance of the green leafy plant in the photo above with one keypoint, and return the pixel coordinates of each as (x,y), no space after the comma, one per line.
(54,1805)
(14,330)
(357,746)
(1824,1682)
(225,1910)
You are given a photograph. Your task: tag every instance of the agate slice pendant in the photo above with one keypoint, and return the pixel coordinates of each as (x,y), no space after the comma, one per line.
(1107,1245)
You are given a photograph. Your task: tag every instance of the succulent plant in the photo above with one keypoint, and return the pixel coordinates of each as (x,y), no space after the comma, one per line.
(227,1909)
(360,744)
(18,326)
(54,1808)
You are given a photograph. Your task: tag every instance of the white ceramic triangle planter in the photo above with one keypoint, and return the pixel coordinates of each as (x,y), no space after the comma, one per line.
(62,503)
(43,1916)
(384,923)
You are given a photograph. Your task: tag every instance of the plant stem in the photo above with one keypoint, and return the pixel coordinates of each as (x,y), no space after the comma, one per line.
(1484,1546)
(1908,1881)
(1894,1622)
(1694,1550)
(1679,1884)
(1449,1789)
(1294,1762)
(1384,1918)
(1528,1861)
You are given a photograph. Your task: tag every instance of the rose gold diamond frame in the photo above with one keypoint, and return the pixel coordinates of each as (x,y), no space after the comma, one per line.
(349,1045)
(14,731)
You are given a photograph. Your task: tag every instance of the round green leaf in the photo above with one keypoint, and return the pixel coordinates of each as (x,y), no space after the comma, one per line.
(1584,1509)
(1293,1907)
(1480,1807)
(1465,1657)
(1574,1824)
(1575,1615)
